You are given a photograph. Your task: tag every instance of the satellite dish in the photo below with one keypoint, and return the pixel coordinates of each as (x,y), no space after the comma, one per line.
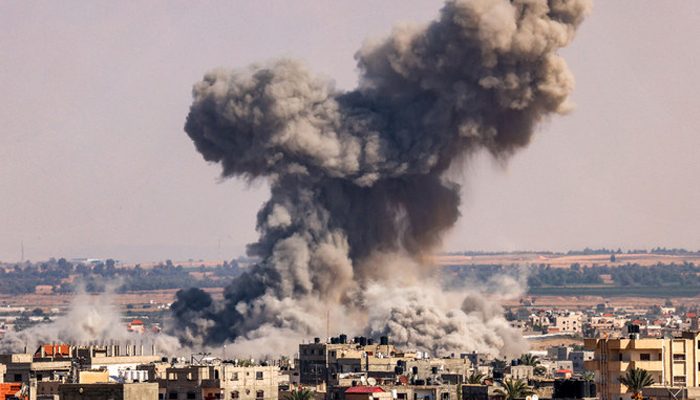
(534,397)
(371,381)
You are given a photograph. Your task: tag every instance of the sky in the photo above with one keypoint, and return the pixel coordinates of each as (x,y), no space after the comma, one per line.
(94,162)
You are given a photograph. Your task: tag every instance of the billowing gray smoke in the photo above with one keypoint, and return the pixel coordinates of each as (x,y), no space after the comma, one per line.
(356,176)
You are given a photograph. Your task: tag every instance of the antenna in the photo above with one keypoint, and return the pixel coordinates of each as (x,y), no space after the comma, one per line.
(328,324)
(22,246)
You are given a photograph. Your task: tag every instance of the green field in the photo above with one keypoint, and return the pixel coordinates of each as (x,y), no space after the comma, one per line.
(617,291)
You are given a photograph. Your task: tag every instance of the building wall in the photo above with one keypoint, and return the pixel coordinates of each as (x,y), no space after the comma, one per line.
(570,322)
(578,359)
(673,362)
(225,381)
(115,391)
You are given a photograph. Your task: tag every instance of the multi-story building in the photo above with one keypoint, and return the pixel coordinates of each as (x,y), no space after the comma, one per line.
(578,360)
(673,362)
(219,381)
(568,322)
(41,372)
(340,363)
(323,362)
(100,391)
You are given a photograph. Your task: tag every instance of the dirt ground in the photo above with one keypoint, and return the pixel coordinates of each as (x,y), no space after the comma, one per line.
(61,301)
(565,261)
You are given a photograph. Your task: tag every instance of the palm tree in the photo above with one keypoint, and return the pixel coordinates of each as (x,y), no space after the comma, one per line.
(533,361)
(514,389)
(637,379)
(475,378)
(529,359)
(301,394)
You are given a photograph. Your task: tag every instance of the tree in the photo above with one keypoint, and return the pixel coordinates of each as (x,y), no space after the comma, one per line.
(637,379)
(533,361)
(301,394)
(475,378)
(514,389)
(529,359)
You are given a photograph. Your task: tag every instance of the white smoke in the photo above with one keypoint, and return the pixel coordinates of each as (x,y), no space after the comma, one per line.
(90,319)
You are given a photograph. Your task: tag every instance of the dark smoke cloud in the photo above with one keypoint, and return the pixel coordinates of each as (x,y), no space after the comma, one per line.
(361,173)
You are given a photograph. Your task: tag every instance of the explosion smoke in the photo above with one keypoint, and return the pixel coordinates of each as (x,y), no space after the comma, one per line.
(358,175)
(90,319)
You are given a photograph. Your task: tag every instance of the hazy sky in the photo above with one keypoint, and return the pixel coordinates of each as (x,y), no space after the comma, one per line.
(95,162)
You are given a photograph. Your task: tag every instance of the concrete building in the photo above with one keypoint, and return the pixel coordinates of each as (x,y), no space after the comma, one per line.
(672,362)
(344,364)
(569,323)
(323,362)
(219,381)
(367,393)
(114,391)
(51,365)
(524,372)
(578,360)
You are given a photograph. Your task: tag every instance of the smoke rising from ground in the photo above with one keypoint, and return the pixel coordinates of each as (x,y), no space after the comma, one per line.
(359,175)
(90,320)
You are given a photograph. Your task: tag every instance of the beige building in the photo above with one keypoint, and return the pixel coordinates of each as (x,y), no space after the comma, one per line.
(219,381)
(101,391)
(673,363)
(569,322)
(51,365)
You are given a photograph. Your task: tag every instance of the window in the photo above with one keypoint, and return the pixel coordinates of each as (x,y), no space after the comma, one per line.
(259,375)
(678,357)
(191,395)
(234,376)
(645,357)
(259,394)
(446,396)
(679,380)
(172,395)
(161,396)
(18,377)
(234,394)
(401,396)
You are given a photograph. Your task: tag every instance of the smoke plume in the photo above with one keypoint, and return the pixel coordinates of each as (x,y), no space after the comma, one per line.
(90,319)
(359,177)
